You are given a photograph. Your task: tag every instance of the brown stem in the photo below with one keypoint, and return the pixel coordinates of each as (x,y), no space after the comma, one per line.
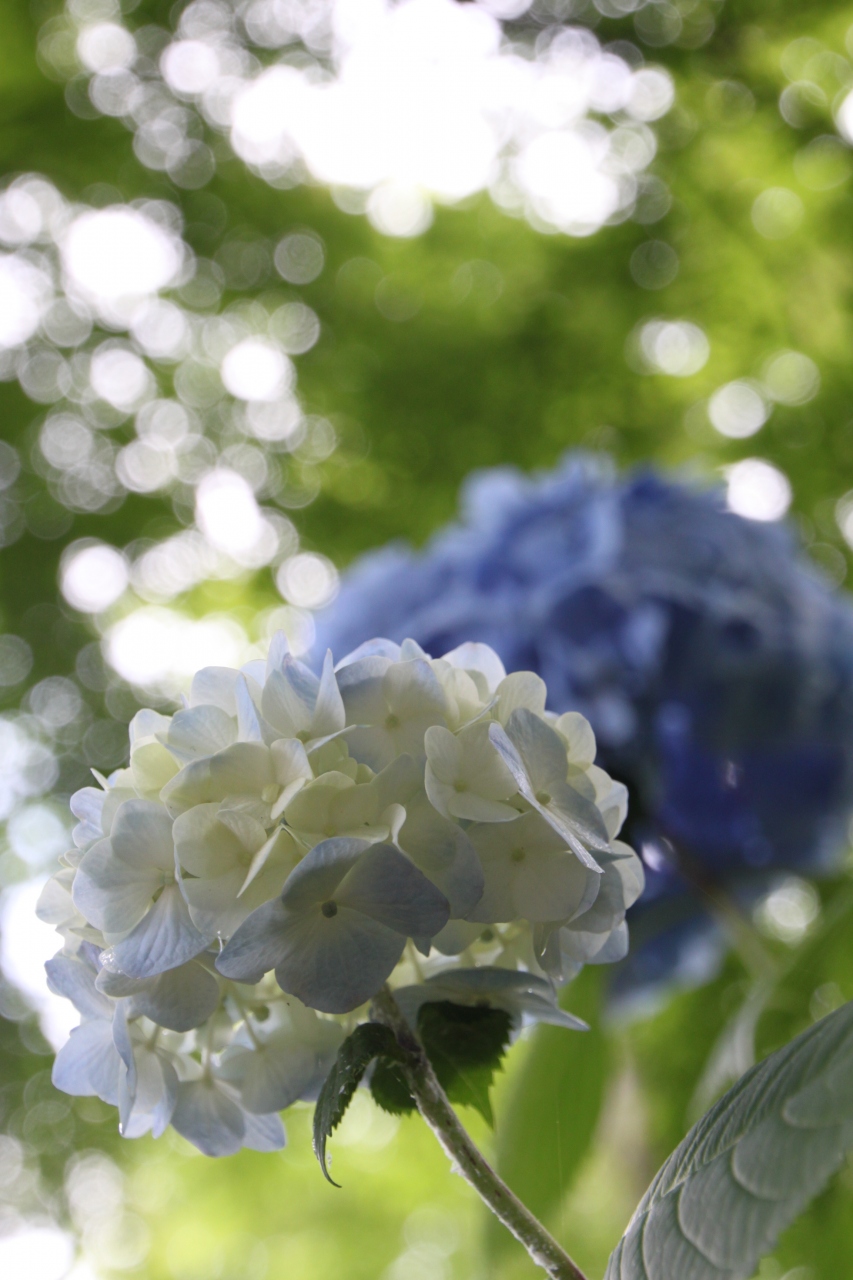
(442,1119)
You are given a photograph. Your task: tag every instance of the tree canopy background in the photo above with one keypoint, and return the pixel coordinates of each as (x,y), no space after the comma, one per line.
(483,341)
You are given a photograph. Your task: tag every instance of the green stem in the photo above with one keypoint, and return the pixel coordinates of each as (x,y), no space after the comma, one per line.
(442,1119)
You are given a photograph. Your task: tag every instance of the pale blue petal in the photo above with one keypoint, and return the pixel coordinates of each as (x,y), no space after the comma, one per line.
(112,893)
(150,1108)
(208,1119)
(142,834)
(444,853)
(289,697)
(70,977)
(278,651)
(377,648)
(263,1133)
(249,723)
(88,805)
(542,750)
(615,948)
(179,999)
(163,939)
(320,872)
(199,731)
(214,686)
(385,885)
(568,830)
(328,715)
(257,945)
(88,1063)
(518,993)
(336,964)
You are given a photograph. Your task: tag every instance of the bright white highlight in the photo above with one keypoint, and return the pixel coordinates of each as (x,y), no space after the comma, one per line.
(738,410)
(789,910)
(25,944)
(307,580)
(675,347)
(844,517)
(399,210)
(24,295)
(426,103)
(229,517)
(92,576)
(160,649)
(256,370)
(189,66)
(115,254)
(844,119)
(757,490)
(119,377)
(36,1253)
(105,47)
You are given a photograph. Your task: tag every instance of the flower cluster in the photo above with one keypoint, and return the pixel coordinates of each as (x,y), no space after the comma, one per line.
(713,661)
(287,843)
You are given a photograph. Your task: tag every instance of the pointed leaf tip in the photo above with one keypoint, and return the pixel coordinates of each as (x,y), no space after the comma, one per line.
(368,1041)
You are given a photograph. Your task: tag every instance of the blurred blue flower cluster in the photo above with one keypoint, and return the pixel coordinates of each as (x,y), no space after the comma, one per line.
(713,660)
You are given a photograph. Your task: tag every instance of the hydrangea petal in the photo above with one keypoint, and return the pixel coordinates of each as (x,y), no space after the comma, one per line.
(386,886)
(207,1118)
(199,731)
(165,938)
(180,998)
(71,977)
(215,686)
(256,947)
(321,870)
(141,834)
(444,853)
(112,893)
(88,1064)
(336,964)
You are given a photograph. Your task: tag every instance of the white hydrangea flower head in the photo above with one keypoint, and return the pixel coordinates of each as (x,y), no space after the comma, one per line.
(287,843)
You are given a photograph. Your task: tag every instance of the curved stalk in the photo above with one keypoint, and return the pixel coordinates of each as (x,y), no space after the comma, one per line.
(442,1119)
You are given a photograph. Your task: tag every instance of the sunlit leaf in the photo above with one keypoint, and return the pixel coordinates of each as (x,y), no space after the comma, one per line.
(750,1166)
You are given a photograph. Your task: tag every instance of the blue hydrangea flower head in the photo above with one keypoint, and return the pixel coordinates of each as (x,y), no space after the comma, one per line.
(713,660)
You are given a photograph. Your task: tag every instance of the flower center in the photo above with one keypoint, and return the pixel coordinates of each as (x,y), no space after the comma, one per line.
(392,721)
(518,855)
(329,909)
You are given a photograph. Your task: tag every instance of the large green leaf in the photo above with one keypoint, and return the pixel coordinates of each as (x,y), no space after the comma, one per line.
(749,1167)
(547,1126)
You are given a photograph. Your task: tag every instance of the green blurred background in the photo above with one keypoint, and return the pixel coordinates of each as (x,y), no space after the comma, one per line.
(483,340)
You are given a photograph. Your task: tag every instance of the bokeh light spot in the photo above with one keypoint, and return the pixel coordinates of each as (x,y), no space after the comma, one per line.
(92,576)
(738,410)
(757,490)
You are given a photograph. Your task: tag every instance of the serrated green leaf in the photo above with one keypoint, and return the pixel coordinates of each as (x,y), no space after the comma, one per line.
(389,1088)
(368,1041)
(749,1167)
(465,1044)
(545,1129)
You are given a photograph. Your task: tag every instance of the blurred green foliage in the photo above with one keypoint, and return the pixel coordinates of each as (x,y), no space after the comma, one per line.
(518,358)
